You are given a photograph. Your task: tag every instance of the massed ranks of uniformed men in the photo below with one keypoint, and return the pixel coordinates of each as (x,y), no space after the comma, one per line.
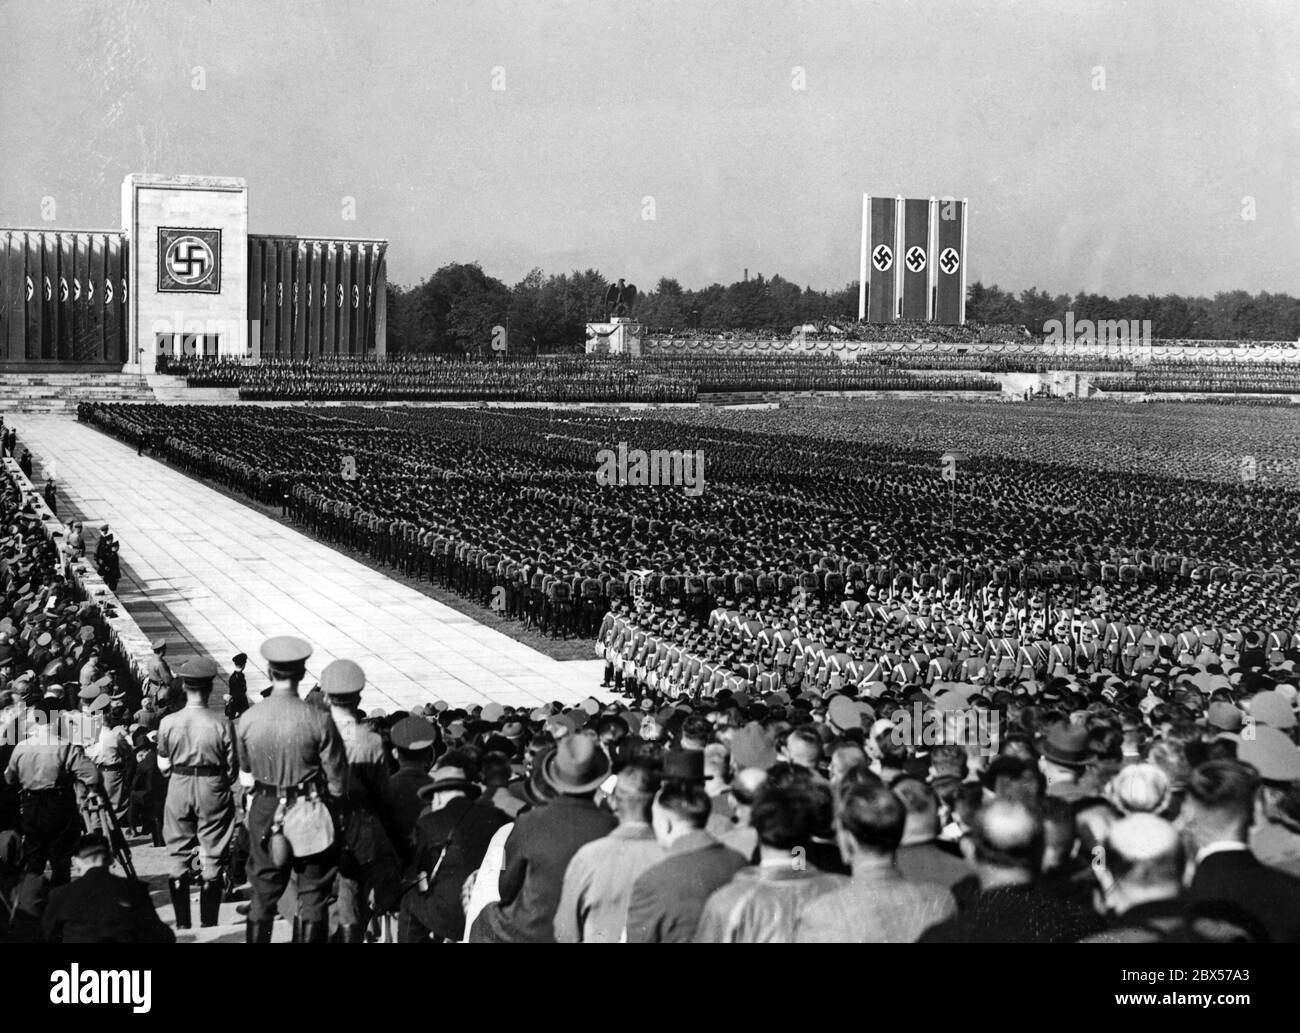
(288,749)
(196,749)
(367,859)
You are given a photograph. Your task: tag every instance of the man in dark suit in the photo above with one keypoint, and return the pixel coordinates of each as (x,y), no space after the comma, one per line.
(1010,907)
(542,843)
(668,898)
(450,841)
(1230,880)
(100,907)
(920,857)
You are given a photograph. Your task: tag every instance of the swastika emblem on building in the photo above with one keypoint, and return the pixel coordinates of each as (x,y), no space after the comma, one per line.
(949,261)
(189,260)
(882,257)
(916,258)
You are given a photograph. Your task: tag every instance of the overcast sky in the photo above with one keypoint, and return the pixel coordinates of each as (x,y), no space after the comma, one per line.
(1135,187)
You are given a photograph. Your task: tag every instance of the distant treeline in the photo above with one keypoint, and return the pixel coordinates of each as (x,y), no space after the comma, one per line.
(456,309)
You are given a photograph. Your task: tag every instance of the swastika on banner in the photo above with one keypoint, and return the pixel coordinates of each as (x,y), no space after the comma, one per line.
(882,257)
(949,261)
(916,258)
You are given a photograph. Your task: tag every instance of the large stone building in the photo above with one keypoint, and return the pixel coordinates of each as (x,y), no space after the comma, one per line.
(185,277)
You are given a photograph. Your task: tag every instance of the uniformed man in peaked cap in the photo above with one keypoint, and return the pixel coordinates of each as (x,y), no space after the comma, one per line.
(367,860)
(196,748)
(288,749)
(44,767)
(158,677)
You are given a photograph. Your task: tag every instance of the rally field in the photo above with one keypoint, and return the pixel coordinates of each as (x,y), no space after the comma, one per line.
(1150,499)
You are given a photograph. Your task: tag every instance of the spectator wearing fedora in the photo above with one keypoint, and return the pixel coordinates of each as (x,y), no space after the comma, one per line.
(1064,759)
(543,842)
(1009,907)
(598,883)
(450,841)
(877,904)
(668,898)
(762,902)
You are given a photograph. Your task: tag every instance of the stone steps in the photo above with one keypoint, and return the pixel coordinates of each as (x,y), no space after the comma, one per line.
(60,392)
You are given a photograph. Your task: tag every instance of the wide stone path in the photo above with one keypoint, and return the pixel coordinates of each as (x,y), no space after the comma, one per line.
(216,578)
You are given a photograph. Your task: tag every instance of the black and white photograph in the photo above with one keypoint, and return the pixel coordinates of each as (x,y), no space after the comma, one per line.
(650,471)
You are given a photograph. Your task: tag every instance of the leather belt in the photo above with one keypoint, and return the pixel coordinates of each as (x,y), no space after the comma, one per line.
(266,789)
(202,770)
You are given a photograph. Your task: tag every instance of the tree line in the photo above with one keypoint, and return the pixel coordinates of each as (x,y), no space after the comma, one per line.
(456,310)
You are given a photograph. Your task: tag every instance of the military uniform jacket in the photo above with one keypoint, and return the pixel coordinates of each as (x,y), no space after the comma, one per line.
(284,742)
(194,737)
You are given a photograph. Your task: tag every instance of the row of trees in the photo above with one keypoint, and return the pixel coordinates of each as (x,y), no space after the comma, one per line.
(455,310)
(1230,316)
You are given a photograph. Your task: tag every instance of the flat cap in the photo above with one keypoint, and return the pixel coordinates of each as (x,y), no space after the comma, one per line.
(89,693)
(342,678)
(285,649)
(157,644)
(99,703)
(413,733)
(198,669)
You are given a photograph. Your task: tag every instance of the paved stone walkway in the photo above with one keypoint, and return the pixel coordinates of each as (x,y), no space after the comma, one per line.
(216,577)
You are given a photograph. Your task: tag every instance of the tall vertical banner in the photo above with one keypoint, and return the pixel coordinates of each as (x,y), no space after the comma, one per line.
(330,301)
(6,310)
(284,300)
(300,300)
(362,284)
(35,295)
(315,291)
(112,303)
(345,299)
(94,288)
(123,353)
(256,295)
(50,292)
(67,312)
(916,259)
(83,347)
(13,274)
(950,262)
(882,260)
(270,266)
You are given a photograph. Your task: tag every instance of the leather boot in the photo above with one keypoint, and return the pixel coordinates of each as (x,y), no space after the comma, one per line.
(315,931)
(210,903)
(351,934)
(257,932)
(296,937)
(179,890)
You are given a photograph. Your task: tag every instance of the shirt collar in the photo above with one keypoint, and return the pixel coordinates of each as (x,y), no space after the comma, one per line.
(1222,846)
